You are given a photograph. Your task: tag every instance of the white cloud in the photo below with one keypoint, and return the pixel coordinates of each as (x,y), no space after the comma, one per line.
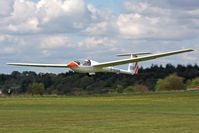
(9,40)
(62,16)
(29,25)
(45,53)
(146,20)
(137,20)
(53,30)
(189,58)
(7,50)
(71,6)
(93,42)
(2,38)
(97,29)
(44,16)
(51,42)
(5,7)
(128,25)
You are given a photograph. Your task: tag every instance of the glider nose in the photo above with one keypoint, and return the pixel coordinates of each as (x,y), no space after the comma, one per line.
(72,64)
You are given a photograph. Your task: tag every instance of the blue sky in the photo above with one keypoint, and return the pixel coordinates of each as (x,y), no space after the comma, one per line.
(104,4)
(60,31)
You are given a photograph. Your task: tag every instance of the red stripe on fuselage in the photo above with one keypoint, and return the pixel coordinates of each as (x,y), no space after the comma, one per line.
(136,68)
(72,64)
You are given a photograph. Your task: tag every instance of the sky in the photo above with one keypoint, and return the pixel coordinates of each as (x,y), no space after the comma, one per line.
(60,31)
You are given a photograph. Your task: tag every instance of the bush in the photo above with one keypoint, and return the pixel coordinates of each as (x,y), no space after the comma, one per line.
(171,82)
(129,89)
(192,83)
(136,88)
(36,88)
(119,89)
(160,85)
(141,88)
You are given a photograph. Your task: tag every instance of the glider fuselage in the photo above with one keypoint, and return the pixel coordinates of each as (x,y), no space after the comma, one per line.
(91,70)
(87,67)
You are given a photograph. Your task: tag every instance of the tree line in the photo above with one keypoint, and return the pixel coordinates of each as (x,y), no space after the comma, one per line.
(71,83)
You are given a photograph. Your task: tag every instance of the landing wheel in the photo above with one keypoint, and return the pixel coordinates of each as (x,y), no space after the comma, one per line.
(89,75)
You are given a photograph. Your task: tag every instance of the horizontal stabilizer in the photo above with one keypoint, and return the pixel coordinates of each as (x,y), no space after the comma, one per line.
(133,54)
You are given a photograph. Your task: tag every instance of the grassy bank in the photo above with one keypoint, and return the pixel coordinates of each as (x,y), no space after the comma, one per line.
(152,113)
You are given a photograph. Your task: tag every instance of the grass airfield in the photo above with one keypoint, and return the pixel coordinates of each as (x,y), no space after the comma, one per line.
(174,112)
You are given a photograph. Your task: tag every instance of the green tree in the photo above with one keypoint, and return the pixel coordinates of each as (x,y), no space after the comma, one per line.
(36,88)
(67,83)
(171,82)
(5,88)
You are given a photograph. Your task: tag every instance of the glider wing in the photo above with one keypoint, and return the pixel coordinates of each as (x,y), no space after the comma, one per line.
(139,59)
(39,65)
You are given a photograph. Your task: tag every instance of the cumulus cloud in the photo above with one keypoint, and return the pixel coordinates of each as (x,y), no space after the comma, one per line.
(147,20)
(7,50)
(6,7)
(53,30)
(63,16)
(45,53)
(93,42)
(55,16)
(44,16)
(180,4)
(171,4)
(52,42)
(137,20)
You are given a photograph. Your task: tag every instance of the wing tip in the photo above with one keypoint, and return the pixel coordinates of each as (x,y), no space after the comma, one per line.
(191,49)
(13,63)
(188,50)
(9,63)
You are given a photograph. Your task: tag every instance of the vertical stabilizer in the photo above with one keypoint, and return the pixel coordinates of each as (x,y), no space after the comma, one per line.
(133,67)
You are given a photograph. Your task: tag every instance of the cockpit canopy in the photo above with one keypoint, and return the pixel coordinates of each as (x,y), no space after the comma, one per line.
(78,62)
(87,63)
(84,63)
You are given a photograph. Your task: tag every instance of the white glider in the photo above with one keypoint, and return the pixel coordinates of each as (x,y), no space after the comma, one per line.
(91,67)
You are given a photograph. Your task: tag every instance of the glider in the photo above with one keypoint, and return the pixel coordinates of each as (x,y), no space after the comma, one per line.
(91,67)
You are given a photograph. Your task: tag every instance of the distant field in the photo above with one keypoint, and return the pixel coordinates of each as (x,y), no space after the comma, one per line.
(176,112)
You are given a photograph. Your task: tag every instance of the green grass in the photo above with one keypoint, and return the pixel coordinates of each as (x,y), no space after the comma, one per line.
(176,112)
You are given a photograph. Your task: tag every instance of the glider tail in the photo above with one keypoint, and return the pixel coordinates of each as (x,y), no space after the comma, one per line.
(133,67)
